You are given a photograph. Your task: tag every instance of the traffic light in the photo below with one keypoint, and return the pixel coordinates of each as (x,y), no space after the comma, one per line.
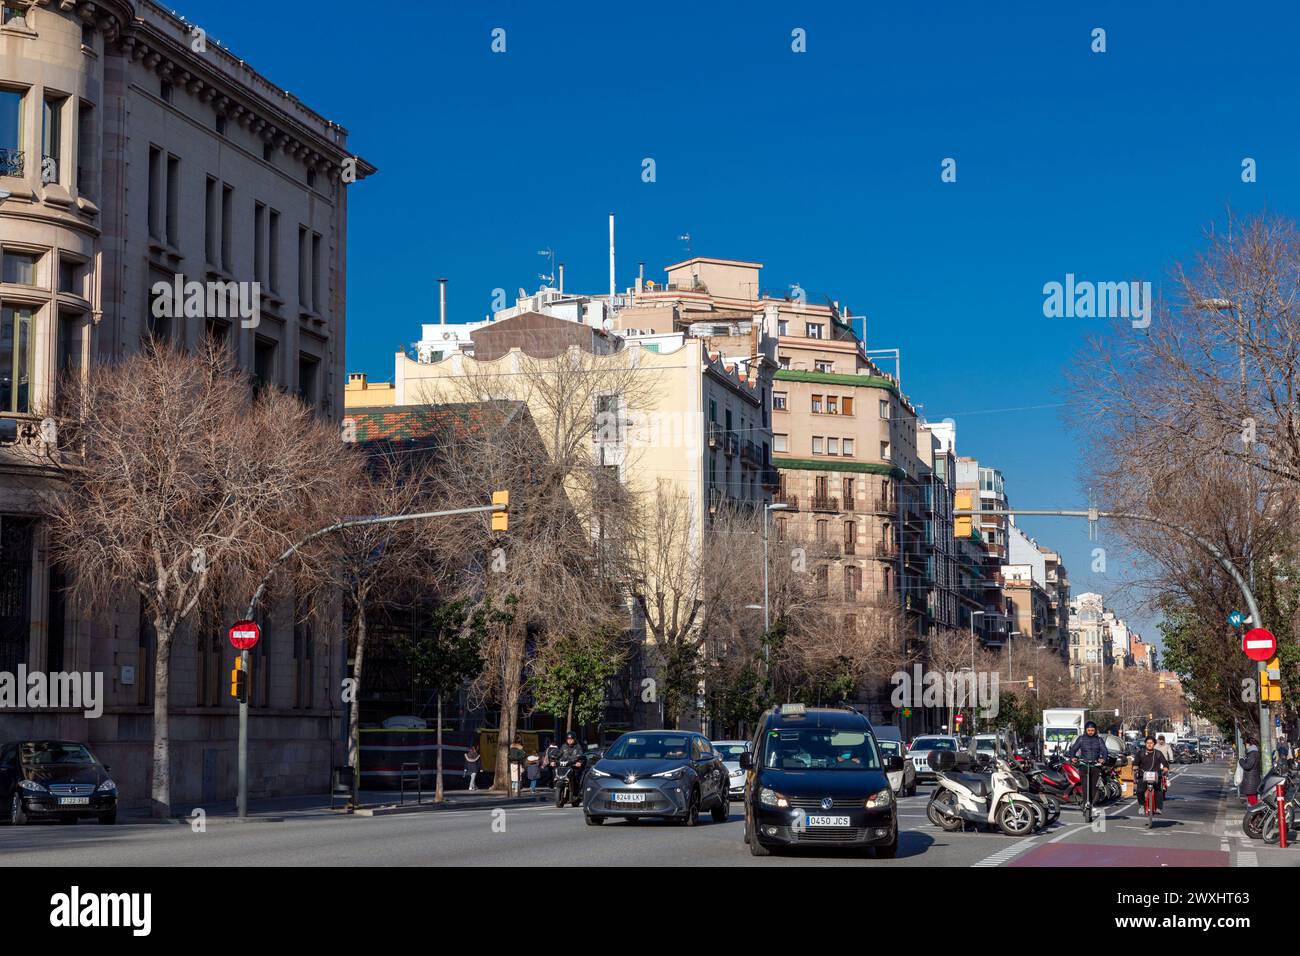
(501,519)
(239,680)
(1269,687)
(1030,678)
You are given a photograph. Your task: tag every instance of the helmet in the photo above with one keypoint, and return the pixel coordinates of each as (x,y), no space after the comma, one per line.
(1090,725)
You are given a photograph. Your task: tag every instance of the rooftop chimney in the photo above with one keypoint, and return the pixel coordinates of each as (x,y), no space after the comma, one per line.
(561,278)
(442,301)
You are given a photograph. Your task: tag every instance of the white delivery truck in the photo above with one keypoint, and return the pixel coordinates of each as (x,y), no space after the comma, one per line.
(1060,727)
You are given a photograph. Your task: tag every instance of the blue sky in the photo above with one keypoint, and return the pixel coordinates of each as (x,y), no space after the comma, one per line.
(825,166)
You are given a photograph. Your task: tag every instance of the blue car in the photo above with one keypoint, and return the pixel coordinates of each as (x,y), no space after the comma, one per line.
(667,774)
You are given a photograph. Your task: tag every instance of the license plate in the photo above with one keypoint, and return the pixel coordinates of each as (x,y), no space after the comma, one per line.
(629,798)
(74,801)
(820,821)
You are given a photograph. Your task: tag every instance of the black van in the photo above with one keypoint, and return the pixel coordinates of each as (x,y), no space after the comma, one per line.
(817,778)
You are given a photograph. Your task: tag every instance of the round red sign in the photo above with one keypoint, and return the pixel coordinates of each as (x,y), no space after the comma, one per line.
(245,635)
(1259,644)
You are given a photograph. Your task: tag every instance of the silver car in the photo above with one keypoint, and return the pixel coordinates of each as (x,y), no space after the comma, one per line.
(730,751)
(671,774)
(903,781)
(919,752)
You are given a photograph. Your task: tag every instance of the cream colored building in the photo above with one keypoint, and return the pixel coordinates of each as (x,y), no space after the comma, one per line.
(134,151)
(360,392)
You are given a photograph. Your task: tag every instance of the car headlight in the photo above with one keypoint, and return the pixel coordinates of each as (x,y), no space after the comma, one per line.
(674,774)
(599,773)
(32,785)
(106,785)
(882,799)
(770,798)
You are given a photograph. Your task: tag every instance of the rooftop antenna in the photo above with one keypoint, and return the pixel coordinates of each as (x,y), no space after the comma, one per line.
(547,253)
(686,238)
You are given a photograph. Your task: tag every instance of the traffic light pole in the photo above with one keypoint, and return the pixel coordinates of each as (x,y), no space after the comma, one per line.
(498,506)
(1092,514)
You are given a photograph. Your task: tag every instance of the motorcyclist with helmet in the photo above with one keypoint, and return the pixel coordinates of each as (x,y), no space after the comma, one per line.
(1090,750)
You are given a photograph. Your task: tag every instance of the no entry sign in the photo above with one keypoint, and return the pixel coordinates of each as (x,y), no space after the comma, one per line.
(1259,644)
(245,635)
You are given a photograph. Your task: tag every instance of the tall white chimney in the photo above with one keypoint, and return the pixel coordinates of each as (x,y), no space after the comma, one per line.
(561,278)
(611,260)
(442,301)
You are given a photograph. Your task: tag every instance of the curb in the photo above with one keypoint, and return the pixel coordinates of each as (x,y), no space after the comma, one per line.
(395,809)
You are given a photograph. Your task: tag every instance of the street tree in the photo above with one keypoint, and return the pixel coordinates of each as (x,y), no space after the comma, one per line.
(179,484)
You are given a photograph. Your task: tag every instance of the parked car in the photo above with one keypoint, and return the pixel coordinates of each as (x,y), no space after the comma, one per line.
(671,774)
(903,781)
(818,778)
(55,778)
(918,752)
(730,751)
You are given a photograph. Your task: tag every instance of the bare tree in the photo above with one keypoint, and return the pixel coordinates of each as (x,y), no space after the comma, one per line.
(179,485)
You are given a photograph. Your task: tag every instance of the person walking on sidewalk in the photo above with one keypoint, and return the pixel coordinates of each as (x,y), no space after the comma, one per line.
(473,764)
(516,757)
(533,771)
(1249,787)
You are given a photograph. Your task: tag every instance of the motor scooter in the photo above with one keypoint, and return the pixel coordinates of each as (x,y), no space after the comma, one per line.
(985,799)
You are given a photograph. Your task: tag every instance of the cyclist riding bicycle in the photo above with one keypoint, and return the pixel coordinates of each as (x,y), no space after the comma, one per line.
(1151,762)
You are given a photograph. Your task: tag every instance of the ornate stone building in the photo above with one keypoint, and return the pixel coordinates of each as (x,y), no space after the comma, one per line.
(136,150)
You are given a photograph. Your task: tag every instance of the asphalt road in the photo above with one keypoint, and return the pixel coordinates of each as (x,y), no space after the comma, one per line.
(1197,829)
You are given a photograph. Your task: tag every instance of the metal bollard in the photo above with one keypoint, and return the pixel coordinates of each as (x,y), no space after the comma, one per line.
(1281,816)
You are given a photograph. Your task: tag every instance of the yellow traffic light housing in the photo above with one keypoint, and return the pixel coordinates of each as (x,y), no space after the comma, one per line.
(1031,681)
(239,680)
(501,519)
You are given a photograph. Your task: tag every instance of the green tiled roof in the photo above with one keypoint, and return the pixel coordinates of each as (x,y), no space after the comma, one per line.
(442,423)
(839,464)
(832,378)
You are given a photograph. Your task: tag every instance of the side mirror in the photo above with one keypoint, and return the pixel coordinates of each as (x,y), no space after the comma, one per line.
(746,761)
(894,764)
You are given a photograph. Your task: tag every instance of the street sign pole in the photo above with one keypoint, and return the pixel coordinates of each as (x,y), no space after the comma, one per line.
(497,507)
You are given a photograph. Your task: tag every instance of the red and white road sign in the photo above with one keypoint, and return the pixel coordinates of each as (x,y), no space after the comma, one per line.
(960,718)
(1259,644)
(245,635)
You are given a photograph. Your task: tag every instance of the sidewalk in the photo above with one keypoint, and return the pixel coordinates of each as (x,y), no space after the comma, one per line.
(307,806)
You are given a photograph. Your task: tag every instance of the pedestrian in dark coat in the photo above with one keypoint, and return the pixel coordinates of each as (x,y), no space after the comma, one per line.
(1250,772)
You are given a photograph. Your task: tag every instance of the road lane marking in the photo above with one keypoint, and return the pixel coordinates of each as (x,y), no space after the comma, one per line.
(1008,853)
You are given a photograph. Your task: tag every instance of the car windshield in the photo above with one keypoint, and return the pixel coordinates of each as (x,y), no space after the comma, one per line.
(819,748)
(730,751)
(934,743)
(891,748)
(54,754)
(984,744)
(650,747)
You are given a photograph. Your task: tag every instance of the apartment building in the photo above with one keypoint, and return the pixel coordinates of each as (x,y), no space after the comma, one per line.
(982,489)
(1090,641)
(137,157)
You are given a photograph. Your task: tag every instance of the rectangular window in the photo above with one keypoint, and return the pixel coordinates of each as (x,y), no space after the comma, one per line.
(52,136)
(273,250)
(303,660)
(227,230)
(783,361)
(69,355)
(713,410)
(884,451)
(155,192)
(21,268)
(782,327)
(11,133)
(211,230)
(317,276)
(884,408)
(832,446)
(848,484)
(15,358)
(304,270)
(87,150)
(817,445)
(848,447)
(173,201)
(259,242)
(70,277)
(12,14)
(824,366)
(264,363)
(846,405)
(814,330)
(832,405)
(816,404)
(778,401)
(15,590)
(780,442)
(308,372)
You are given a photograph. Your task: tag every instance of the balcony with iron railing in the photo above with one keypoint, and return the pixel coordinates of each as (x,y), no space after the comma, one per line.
(825,503)
(732,444)
(824,549)
(885,549)
(771,479)
(785,498)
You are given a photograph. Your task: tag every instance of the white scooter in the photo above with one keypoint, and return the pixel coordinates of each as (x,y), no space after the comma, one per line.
(991,799)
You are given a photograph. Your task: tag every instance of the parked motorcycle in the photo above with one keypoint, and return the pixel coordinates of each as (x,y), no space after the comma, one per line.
(985,799)
(1261,821)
